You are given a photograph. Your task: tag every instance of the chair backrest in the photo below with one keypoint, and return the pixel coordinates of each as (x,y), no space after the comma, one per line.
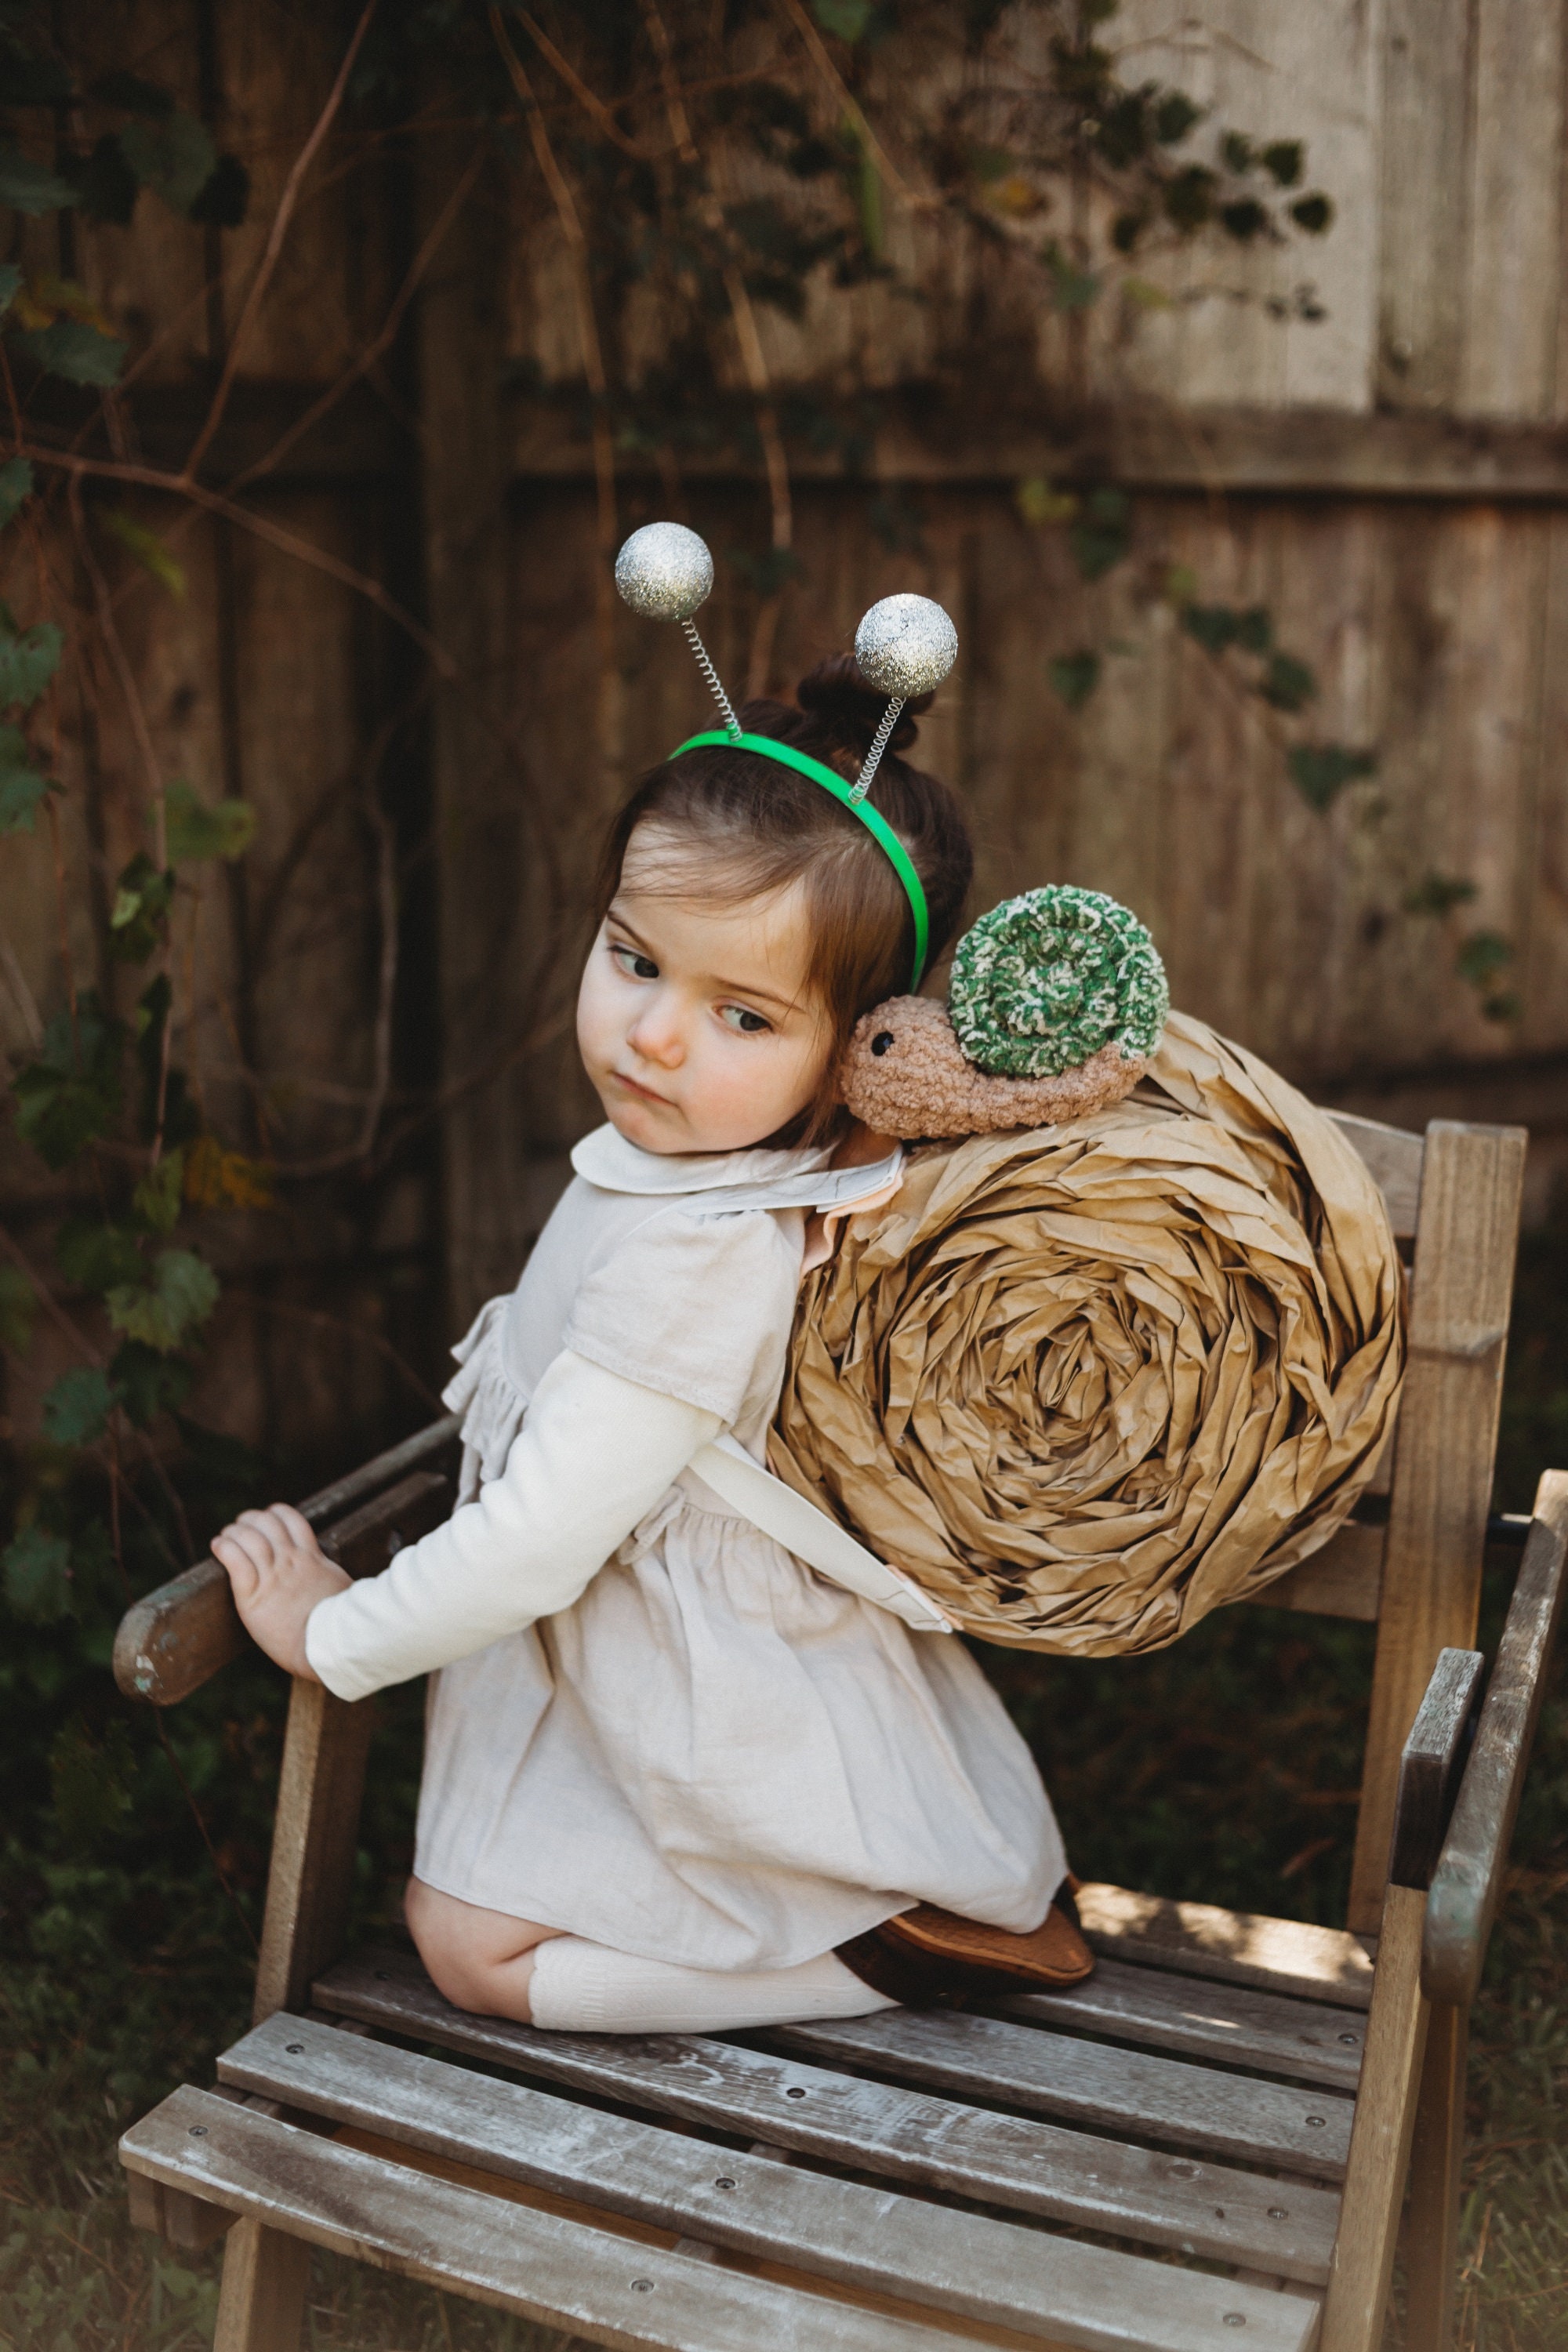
(1411,1558)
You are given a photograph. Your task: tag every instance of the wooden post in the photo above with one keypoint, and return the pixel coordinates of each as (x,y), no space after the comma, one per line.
(313,1844)
(1432,2243)
(1462,1285)
(1380,2138)
(262,2300)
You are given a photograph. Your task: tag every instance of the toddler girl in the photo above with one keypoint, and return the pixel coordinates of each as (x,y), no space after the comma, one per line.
(670,1769)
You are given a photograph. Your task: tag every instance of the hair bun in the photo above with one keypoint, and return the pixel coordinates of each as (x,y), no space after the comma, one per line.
(836,693)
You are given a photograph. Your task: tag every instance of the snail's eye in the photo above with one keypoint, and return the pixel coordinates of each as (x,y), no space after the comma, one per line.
(881,1041)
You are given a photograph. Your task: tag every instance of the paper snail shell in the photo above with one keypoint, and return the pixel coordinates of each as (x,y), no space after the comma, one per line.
(664,572)
(905,1074)
(906,645)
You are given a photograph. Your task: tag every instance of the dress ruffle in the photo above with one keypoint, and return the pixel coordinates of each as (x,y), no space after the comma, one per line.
(483,1392)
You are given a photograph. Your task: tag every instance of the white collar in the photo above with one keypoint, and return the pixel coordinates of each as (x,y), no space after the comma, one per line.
(757,1179)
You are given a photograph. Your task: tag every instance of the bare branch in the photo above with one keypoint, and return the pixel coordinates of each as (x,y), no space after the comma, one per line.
(274,246)
(157,478)
(817,51)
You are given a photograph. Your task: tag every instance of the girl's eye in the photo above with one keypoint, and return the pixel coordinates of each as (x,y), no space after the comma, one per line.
(635,965)
(748,1024)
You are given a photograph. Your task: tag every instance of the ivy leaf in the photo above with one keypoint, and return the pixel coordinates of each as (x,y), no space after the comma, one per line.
(91,1780)
(216,1179)
(38,1576)
(1255,629)
(149,550)
(29,81)
(148,1383)
(156,1199)
(22,788)
(76,1408)
(28,187)
(1075,677)
(93,1255)
(162,1312)
(1189,199)
(224,200)
(78,351)
(1039,503)
(131,95)
(1283,160)
(1322,770)
(1286,683)
(174,156)
(29,659)
(1213,626)
(1481,957)
(72,1092)
(1103,535)
(1236,152)
(195,829)
(139,918)
(109,186)
(1175,117)
(1071,289)
(16,484)
(1314,214)
(1243,220)
(18,1308)
(1438,893)
(847,18)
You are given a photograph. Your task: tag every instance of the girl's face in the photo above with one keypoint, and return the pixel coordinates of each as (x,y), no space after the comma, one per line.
(693,1019)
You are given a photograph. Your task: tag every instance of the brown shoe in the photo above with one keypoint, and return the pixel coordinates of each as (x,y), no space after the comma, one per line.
(930,1958)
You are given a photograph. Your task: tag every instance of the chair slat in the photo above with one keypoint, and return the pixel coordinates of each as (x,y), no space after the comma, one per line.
(1343,1580)
(1158,2011)
(1012,2161)
(927,2254)
(1200,1939)
(557,2273)
(1393,1156)
(1128,2091)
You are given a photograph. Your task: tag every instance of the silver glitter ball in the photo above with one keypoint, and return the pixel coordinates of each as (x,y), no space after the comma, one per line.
(905,646)
(665,571)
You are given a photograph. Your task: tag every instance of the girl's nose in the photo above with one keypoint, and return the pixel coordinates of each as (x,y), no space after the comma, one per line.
(656,1036)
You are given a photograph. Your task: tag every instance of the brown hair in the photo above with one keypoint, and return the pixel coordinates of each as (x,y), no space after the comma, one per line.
(767,826)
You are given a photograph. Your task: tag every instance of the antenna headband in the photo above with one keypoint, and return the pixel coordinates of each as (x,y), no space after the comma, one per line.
(877,826)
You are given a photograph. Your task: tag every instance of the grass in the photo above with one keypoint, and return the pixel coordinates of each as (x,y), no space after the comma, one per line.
(1224,1769)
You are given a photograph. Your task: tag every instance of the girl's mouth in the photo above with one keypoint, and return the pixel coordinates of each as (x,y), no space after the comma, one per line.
(633,1086)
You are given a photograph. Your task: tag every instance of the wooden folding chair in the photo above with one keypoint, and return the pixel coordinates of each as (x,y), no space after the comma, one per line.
(1206,2145)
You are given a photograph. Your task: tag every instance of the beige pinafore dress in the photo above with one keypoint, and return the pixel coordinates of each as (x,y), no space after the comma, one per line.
(715,1756)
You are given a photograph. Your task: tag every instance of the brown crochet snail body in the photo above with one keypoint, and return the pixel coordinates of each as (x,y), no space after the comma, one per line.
(905,1074)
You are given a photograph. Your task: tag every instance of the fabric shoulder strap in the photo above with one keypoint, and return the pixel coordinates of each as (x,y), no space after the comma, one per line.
(812,1536)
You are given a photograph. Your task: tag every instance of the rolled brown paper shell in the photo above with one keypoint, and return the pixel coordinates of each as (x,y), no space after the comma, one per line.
(906,1073)
(1087,1382)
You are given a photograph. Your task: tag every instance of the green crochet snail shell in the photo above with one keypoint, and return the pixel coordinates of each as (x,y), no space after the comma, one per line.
(1045,981)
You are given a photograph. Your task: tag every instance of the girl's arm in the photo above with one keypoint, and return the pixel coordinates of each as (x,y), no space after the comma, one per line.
(594,1457)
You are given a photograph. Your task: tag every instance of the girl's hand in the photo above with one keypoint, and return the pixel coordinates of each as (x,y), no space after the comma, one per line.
(278,1572)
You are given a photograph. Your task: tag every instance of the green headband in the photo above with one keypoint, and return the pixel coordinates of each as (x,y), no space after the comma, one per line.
(875,825)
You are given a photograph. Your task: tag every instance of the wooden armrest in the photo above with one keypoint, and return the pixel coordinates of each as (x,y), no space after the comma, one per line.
(1431,1764)
(174,1638)
(1468,1881)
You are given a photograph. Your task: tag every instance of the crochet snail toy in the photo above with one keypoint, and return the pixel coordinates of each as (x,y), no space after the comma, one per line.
(1056,1002)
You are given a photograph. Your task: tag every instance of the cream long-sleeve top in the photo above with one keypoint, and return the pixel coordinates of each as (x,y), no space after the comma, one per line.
(649,1724)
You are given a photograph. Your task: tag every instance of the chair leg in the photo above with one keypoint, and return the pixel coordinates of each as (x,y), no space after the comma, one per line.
(262,2300)
(1433,2229)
